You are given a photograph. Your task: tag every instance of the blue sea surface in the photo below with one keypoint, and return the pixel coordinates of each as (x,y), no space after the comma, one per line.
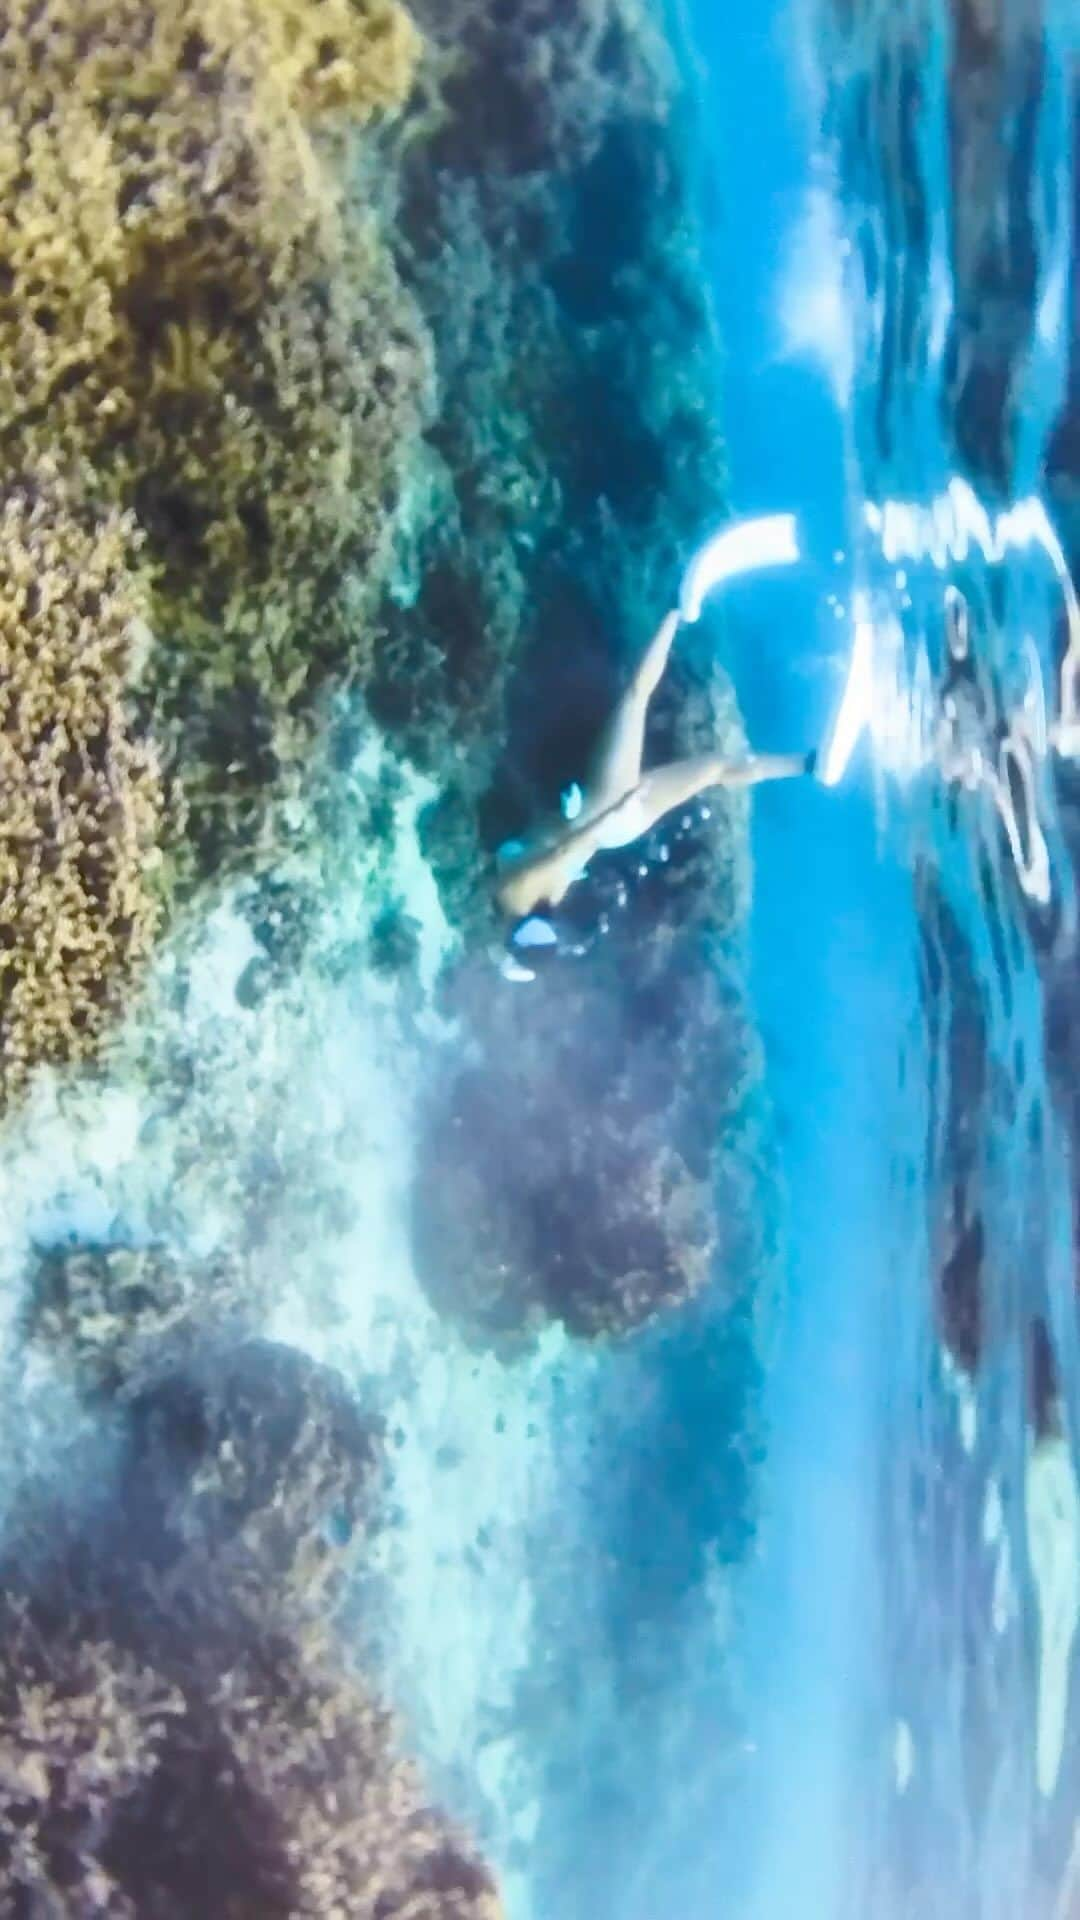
(911,1630)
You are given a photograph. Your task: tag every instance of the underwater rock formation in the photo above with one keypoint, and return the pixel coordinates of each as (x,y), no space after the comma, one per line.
(199,1767)
(425,415)
(224,317)
(112,1311)
(568,1163)
(258,1458)
(583,1153)
(178,1732)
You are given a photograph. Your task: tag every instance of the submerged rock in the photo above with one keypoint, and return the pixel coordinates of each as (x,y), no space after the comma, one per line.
(257,1456)
(170,1756)
(180,1729)
(480,585)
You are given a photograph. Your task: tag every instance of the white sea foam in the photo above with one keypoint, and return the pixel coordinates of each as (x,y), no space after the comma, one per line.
(1053,1531)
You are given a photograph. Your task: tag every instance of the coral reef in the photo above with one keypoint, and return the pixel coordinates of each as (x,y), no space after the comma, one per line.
(200,324)
(255,1457)
(196,1764)
(245,1447)
(178,1732)
(113,1310)
(80,790)
(570,1163)
(178,271)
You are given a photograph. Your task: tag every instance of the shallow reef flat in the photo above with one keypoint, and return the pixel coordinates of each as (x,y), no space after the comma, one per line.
(357,415)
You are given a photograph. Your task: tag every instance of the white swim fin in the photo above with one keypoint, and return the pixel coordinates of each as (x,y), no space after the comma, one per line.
(744,548)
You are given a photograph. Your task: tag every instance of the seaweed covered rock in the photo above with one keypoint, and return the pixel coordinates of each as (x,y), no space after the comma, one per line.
(79,788)
(81,1730)
(258,1456)
(241,1450)
(180,1730)
(164,1758)
(556,76)
(195,317)
(571,1155)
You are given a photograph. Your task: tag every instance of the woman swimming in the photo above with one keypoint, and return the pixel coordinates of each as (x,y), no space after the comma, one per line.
(619,803)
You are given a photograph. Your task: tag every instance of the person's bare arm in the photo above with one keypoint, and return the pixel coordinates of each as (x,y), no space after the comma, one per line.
(549,874)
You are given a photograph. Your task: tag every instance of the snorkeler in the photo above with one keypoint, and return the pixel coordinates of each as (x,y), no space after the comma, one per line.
(619,804)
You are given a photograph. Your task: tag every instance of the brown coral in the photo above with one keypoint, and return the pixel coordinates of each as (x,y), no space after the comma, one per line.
(196,326)
(209,1765)
(354,54)
(79,792)
(256,1460)
(113,1310)
(78,1732)
(177,1734)
(188,307)
(598,1205)
(158,175)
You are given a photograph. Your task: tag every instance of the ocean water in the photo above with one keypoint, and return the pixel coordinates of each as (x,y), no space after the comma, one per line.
(730,1597)
(918,1622)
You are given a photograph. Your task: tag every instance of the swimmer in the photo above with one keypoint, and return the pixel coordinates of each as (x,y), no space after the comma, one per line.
(620,803)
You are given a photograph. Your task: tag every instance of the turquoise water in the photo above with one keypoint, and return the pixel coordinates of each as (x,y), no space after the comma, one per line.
(832,957)
(914,1629)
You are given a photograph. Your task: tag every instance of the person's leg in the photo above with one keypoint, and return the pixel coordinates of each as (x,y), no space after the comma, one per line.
(616,764)
(665,788)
